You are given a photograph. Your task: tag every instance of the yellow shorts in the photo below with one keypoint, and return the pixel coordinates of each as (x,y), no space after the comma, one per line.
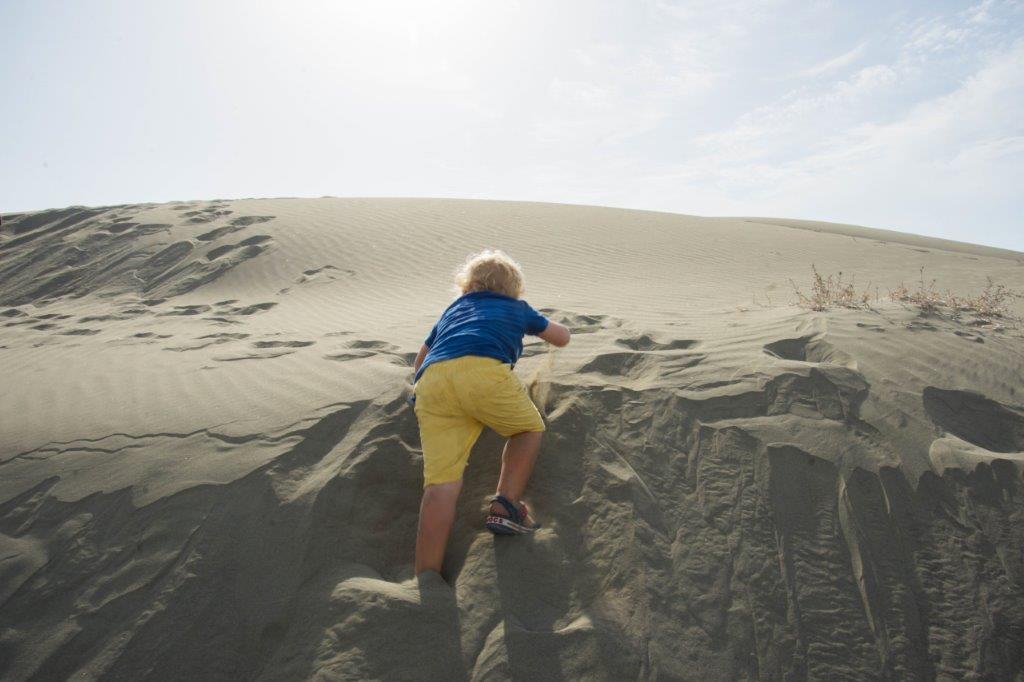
(455,399)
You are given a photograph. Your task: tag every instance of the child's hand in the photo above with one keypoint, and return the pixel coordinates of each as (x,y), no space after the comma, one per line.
(556,334)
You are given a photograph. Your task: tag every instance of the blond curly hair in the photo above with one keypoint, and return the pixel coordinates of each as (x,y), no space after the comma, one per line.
(490,270)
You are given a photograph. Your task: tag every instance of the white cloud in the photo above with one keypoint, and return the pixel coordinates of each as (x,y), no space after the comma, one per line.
(986,104)
(957,152)
(943,165)
(936,35)
(981,13)
(836,63)
(735,18)
(800,113)
(923,130)
(982,23)
(595,114)
(618,93)
(983,153)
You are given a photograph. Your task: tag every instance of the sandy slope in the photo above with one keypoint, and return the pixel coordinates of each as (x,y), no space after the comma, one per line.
(208,467)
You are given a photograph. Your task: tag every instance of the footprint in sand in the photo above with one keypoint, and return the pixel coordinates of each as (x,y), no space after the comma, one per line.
(208,340)
(637,363)
(646,356)
(265,350)
(139,338)
(644,342)
(367,348)
(580,323)
(126,314)
(186,310)
(218,233)
(234,226)
(254,356)
(976,338)
(196,273)
(325,273)
(132,229)
(283,344)
(206,215)
(245,221)
(245,310)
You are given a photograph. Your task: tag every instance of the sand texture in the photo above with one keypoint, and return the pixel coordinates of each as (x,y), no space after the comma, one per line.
(209,468)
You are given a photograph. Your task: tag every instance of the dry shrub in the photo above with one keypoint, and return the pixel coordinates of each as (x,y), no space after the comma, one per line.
(993,303)
(830,291)
(926,296)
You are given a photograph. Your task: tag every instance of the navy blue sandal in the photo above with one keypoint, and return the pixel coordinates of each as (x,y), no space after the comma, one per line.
(514,523)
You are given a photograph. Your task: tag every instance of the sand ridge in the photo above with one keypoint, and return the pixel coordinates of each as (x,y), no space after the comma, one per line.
(209,468)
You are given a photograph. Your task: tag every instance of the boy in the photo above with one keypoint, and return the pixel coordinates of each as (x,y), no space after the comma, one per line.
(464,381)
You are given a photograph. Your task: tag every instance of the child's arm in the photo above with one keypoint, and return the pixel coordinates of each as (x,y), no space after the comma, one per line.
(419,357)
(556,334)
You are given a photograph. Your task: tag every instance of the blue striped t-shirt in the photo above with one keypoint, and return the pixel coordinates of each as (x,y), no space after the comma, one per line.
(482,323)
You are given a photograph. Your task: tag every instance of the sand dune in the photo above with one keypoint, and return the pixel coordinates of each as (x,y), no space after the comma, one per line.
(208,467)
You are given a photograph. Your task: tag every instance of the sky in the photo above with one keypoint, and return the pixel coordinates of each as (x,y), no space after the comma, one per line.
(897,115)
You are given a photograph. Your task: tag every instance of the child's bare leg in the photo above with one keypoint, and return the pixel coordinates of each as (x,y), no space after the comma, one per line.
(437,514)
(516,466)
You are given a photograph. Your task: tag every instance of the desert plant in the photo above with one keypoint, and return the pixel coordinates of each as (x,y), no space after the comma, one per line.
(991,304)
(830,291)
(926,296)
(833,291)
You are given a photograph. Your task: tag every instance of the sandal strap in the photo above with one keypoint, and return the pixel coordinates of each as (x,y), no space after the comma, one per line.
(513,511)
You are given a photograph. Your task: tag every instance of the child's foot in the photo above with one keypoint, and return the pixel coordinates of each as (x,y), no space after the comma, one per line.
(509,518)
